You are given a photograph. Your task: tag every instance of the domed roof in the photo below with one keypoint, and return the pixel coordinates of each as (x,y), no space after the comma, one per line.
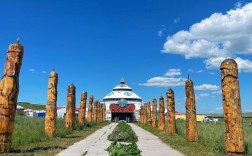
(122,91)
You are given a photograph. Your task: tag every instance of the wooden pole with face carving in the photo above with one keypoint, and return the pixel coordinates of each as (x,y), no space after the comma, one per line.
(9,88)
(191,122)
(70,110)
(90,108)
(149,113)
(104,112)
(232,108)
(51,107)
(145,114)
(95,111)
(82,112)
(161,120)
(154,113)
(171,112)
(141,114)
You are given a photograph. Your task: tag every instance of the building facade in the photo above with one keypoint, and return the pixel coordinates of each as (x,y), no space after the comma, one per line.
(122,104)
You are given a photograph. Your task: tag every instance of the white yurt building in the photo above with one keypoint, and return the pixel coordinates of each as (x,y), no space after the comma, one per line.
(122,104)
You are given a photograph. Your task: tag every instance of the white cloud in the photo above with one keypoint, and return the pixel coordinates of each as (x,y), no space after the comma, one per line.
(43,72)
(244,65)
(219,108)
(164,82)
(161,31)
(32,70)
(176,20)
(173,72)
(238,5)
(206,87)
(200,71)
(216,37)
(190,70)
(217,92)
(202,95)
(211,73)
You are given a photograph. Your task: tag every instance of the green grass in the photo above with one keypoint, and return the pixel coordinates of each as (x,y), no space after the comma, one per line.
(27,105)
(123,132)
(119,149)
(211,138)
(29,138)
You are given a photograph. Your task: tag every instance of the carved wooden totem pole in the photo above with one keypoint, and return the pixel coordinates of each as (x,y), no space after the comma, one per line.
(141,114)
(95,110)
(90,108)
(104,112)
(149,113)
(70,110)
(51,107)
(161,120)
(232,108)
(82,112)
(154,113)
(191,122)
(9,88)
(171,112)
(101,113)
(145,113)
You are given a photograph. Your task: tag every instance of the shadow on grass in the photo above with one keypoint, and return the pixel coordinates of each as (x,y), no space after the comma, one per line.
(36,149)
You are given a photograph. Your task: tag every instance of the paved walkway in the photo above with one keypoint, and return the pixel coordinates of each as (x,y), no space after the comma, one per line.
(151,145)
(96,143)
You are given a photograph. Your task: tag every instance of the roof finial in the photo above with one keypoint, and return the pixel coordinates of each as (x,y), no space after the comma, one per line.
(18,40)
(122,80)
(188,77)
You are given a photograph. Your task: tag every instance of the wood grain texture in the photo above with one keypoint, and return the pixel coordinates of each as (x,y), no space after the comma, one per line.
(51,107)
(70,109)
(171,112)
(154,113)
(191,122)
(90,108)
(161,118)
(9,88)
(234,135)
(82,112)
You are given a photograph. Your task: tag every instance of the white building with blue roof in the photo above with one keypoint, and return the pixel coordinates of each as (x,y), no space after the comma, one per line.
(122,103)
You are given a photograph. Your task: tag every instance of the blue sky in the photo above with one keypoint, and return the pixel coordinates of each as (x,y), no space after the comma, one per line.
(153,45)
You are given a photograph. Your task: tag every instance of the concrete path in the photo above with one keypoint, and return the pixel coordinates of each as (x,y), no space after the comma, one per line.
(94,145)
(151,145)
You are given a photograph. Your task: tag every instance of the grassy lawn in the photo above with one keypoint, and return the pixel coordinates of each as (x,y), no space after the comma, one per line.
(211,139)
(29,138)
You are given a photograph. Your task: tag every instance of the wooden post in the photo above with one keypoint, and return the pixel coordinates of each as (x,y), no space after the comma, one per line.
(101,110)
(171,112)
(95,111)
(141,114)
(154,113)
(149,113)
(191,122)
(90,108)
(161,120)
(145,114)
(9,88)
(70,110)
(51,107)
(82,112)
(232,108)
(104,112)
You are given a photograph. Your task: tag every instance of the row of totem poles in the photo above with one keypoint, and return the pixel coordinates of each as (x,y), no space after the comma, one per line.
(234,135)
(9,88)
